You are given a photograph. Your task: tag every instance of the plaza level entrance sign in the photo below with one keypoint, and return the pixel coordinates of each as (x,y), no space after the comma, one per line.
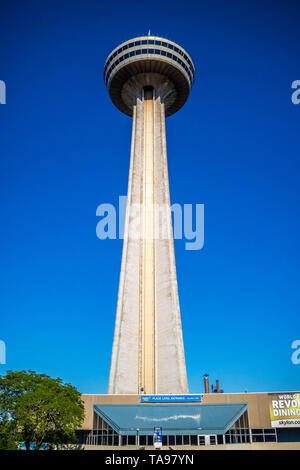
(170,398)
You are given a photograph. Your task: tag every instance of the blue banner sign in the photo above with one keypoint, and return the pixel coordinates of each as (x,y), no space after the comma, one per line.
(170,398)
(157,437)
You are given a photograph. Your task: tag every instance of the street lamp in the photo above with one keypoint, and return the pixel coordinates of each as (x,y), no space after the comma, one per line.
(137,437)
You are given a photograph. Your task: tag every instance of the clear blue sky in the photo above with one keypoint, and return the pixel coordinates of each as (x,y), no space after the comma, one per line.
(234,147)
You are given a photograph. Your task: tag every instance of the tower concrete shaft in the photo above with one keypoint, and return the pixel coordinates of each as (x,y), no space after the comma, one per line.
(148,78)
(148,346)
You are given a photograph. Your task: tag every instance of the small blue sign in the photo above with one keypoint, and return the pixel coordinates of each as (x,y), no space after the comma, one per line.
(170,398)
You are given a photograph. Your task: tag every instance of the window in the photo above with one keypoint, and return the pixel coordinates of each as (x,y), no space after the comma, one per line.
(194,440)
(131,440)
(270,438)
(150,51)
(164,44)
(144,51)
(258,438)
(150,41)
(264,435)
(143,440)
(171,440)
(138,51)
(178,440)
(186,440)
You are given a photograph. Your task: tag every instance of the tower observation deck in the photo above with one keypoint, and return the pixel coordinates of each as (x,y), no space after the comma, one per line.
(148,78)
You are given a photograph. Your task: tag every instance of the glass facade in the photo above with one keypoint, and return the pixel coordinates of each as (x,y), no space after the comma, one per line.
(186,63)
(108,437)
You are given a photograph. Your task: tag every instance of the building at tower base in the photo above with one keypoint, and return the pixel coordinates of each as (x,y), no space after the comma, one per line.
(216,421)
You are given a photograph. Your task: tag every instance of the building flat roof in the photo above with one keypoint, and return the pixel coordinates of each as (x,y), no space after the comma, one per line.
(172,418)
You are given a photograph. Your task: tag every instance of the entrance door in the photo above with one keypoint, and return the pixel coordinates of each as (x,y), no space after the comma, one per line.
(207,439)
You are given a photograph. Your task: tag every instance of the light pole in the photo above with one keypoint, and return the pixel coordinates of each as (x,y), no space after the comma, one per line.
(137,437)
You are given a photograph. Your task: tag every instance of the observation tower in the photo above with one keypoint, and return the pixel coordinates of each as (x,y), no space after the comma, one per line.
(148,78)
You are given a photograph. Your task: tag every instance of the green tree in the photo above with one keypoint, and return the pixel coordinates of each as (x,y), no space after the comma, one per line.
(40,409)
(7,436)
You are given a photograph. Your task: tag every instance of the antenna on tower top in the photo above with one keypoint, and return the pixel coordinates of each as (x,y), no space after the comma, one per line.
(149,33)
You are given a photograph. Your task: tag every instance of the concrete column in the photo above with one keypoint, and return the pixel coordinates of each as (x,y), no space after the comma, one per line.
(148,346)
